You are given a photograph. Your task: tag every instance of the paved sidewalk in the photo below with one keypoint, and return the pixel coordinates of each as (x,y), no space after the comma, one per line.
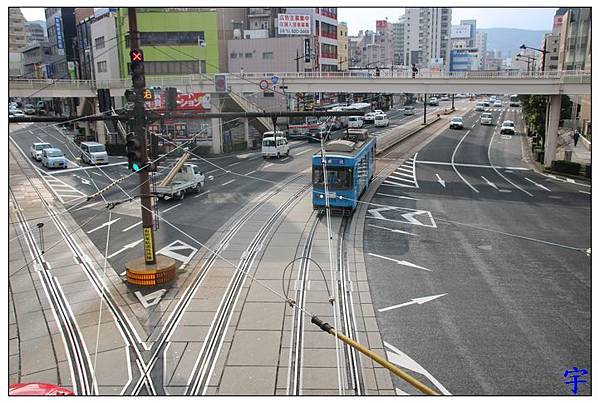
(581,154)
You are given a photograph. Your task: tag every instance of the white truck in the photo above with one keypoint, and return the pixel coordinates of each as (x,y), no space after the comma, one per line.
(187,178)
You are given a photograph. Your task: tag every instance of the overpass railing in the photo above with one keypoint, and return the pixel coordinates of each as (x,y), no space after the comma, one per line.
(568,76)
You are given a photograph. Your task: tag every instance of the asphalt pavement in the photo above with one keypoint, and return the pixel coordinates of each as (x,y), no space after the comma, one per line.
(478,269)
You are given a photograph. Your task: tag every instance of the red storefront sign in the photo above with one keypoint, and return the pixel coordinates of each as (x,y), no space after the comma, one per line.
(194,101)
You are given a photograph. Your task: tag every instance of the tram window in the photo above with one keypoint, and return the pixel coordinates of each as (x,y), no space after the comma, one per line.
(337,178)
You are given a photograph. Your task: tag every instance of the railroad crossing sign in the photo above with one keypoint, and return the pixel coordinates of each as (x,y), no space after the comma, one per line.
(263,85)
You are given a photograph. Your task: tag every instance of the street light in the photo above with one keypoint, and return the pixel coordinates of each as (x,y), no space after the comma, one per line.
(543,51)
(528,59)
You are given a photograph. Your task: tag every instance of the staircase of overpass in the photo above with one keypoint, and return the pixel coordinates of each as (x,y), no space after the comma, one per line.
(241,104)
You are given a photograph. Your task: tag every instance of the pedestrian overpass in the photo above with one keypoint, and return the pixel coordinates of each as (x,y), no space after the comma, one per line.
(500,82)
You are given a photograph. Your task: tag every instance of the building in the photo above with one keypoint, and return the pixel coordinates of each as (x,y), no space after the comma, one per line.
(83,48)
(35,32)
(262,22)
(481,45)
(354,53)
(398,30)
(427,36)
(343,55)
(35,58)
(575,53)
(265,54)
(61,37)
(17,36)
(551,43)
(384,38)
(105,53)
(175,41)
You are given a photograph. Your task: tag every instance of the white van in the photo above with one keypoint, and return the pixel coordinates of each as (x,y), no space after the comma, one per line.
(272,147)
(381,120)
(480,107)
(93,153)
(355,122)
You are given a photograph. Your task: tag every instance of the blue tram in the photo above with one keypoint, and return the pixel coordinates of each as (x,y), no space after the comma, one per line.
(350,166)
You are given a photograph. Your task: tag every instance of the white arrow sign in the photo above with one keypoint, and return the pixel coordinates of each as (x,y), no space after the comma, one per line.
(408,217)
(104,225)
(413,301)
(129,246)
(85,181)
(401,262)
(489,183)
(441,181)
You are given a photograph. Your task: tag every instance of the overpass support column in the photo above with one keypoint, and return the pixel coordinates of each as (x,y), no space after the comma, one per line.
(552,129)
(247,134)
(101,132)
(217,136)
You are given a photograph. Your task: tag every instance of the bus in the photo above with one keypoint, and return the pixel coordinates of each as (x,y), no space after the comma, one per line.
(514,101)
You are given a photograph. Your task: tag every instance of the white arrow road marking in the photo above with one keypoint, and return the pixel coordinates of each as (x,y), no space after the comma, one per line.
(408,217)
(124,248)
(538,185)
(413,301)
(401,262)
(397,197)
(172,251)
(489,183)
(132,226)
(392,230)
(104,225)
(150,299)
(401,359)
(85,181)
(441,181)
(171,208)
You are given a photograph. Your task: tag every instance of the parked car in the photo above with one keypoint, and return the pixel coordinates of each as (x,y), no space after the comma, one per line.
(355,122)
(16,112)
(274,148)
(379,112)
(498,103)
(456,123)
(41,108)
(433,101)
(479,107)
(93,153)
(54,158)
(409,110)
(444,98)
(36,150)
(486,118)
(381,120)
(29,109)
(508,127)
(369,117)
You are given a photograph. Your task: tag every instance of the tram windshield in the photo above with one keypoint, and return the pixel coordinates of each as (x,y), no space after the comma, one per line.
(337,177)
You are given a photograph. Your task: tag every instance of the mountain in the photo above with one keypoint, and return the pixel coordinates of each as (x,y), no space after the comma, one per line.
(508,40)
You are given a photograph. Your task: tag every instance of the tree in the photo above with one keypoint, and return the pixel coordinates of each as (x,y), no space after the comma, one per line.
(534,113)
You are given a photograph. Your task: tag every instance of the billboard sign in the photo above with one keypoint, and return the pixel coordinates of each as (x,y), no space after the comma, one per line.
(381,24)
(193,101)
(220,82)
(60,41)
(293,24)
(460,31)
(307,50)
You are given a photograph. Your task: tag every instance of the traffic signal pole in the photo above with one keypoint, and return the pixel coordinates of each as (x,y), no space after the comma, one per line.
(138,129)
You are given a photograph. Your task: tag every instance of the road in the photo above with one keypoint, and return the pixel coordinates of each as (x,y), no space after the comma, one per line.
(479,267)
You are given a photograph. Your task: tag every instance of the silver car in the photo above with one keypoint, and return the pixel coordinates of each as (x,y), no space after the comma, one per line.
(36,150)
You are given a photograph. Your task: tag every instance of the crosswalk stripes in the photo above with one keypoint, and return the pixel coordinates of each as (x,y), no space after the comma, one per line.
(64,192)
(404,175)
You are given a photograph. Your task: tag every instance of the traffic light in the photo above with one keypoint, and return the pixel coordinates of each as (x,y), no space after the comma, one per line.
(136,57)
(171,101)
(135,146)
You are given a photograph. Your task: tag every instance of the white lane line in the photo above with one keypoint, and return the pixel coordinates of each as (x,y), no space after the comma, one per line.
(203,193)
(441,181)
(567,180)
(302,152)
(96,173)
(235,163)
(283,159)
(403,174)
(413,301)
(124,248)
(214,170)
(404,169)
(89,205)
(400,262)
(489,183)
(584,192)
(228,182)
(104,225)
(454,166)
(538,185)
(250,173)
(90,167)
(498,172)
(397,197)
(390,183)
(171,208)
(505,190)
(401,179)
(268,165)
(132,226)
(391,230)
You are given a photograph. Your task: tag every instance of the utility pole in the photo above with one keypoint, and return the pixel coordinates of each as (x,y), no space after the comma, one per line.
(148,270)
(424,109)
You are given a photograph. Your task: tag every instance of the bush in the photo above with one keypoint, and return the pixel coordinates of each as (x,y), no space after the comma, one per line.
(566,167)
(539,155)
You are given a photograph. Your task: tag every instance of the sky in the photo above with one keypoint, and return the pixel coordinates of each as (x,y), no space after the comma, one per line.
(364,18)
